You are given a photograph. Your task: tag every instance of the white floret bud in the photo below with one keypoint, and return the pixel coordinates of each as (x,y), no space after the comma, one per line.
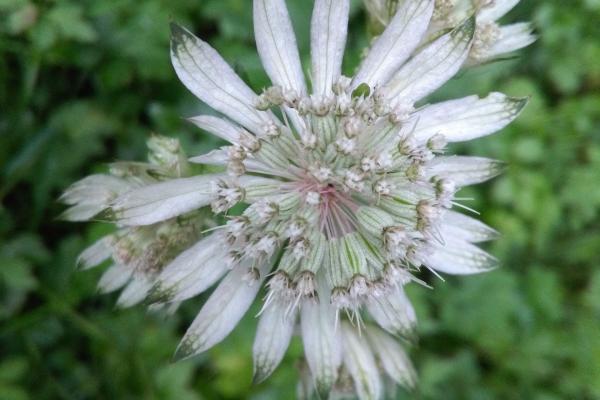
(407,145)
(251,276)
(395,274)
(321,174)
(365,107)
(313,198)
(164,151)
(236,226)
(236,168)
(384,160)
(358,287)
(266,210)
(296,228)
(265,245)
(445,190)
(271,129)
(305,284)
(291,98)
(342,85)
(381,105)
(279,283)
(352,127)
(353,180)
(437,143)
(415,172)
(340,298)
(321,105)
(383,187)
(345,145)
(249,141)
(300,248)
(368,164)
(227,196)
(262,102)
(343,104)
(274,95)
(236,152)
(401,113)
(233,258)
(304,106)
(396,239)
(427,215)
(417,255)
(378,289)
(309,140)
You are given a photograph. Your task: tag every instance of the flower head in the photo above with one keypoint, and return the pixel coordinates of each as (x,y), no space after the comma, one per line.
(491,40)
(347,187)
(137,253)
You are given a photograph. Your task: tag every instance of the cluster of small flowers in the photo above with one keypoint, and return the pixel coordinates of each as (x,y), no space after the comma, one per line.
(336,196)
(139,253)
(492,41)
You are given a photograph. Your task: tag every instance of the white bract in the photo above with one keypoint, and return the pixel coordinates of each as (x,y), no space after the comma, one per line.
(346,186)
(491,41)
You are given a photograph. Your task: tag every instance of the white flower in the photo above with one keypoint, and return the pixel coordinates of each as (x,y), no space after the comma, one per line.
(347,190)
(137,254)
(492,41)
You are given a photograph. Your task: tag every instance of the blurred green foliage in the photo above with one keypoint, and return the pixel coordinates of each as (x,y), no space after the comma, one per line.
(83,82)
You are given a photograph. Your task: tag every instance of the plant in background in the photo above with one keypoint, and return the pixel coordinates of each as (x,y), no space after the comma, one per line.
(345,188)
(491,41)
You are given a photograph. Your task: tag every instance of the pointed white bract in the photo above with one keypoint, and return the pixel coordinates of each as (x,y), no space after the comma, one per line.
(134,292)
(433,66)
(276,44)
(335,194)
(210,78)
(459,257)
(322,343)
(191,272)
(95,254)
(329,29)
(396,44)
(114,278)
(218,127)
(467,118)
(465,171)
(394,313)
(393,359)
(360,363)
(164,200)
(273,335)
(221,312)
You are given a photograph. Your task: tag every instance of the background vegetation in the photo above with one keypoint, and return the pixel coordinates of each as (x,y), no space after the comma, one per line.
(84,82)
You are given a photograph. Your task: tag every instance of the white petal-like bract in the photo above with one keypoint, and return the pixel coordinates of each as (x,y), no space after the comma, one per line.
(322,343)
(396,44)
(433,66)
(467,118)
(329,28)
(211,79)
(273,335)
(276,44)
(160,201)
